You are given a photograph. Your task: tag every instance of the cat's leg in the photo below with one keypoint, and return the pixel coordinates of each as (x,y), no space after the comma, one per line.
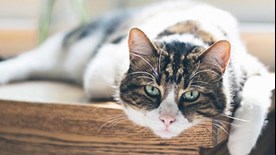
(251,115)
(99,75)
(51,61)
(33,63)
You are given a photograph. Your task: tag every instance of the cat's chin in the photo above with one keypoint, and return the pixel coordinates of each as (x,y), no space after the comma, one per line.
(166,134)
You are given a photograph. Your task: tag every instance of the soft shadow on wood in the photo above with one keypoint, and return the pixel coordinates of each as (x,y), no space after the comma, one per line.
(31,128)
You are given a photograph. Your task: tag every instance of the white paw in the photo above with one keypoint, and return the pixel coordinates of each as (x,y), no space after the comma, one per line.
(261,83)
(236,148)
(258,88)
(240,143)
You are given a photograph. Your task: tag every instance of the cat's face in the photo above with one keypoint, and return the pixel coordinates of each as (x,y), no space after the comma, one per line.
(170,87)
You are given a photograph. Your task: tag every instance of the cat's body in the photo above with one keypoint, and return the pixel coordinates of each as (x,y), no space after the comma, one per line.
(101,55)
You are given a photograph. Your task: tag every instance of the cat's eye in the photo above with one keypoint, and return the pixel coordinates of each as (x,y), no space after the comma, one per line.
(152,91)
(190,96)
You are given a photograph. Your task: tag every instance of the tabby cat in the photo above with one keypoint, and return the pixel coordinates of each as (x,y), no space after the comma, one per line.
(175,64)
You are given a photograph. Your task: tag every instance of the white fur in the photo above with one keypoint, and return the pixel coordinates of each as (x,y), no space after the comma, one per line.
(109,66)
(42,62)
(79,55)
(99,76)
(254,107)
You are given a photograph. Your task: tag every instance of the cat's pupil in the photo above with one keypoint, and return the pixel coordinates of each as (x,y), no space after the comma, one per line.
(152,91)
(191,96)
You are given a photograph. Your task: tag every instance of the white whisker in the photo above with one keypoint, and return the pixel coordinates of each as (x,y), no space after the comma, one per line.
(205,83)
(119,121)
(150,83)
(235,118)
(214,133)
(203,71)
(226,123)
(141,72)
(146,77)
(146,62)
(192,75)
(147,130)
(200,87)
(221,128)
(112,118)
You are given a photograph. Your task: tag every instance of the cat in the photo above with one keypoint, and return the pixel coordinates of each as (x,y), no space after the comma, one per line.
(174,64)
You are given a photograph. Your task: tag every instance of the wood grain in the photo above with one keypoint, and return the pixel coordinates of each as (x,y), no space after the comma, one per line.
(31,128)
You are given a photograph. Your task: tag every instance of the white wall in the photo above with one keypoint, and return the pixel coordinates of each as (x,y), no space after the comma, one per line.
(19,20)
(29,10)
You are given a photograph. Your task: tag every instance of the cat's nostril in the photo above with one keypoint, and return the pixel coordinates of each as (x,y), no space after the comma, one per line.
(172,121)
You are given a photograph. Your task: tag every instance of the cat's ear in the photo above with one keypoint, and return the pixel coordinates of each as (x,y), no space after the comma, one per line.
(218,54)
(139,44)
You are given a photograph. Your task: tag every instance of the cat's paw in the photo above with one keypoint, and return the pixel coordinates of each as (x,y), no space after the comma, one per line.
(263,83)
(258,88)
(239,149)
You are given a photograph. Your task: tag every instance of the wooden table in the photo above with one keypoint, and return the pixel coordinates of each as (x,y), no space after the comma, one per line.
(54,118)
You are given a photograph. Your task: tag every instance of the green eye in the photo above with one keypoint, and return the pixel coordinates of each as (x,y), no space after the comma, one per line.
(152,91)
(191,96)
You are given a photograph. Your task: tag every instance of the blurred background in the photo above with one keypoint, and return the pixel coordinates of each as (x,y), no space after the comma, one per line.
(27,23)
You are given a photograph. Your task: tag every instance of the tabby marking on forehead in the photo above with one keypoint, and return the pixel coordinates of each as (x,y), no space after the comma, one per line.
(176,60)
(189,27)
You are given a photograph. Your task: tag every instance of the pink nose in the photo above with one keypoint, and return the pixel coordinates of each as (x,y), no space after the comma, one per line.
(167,119)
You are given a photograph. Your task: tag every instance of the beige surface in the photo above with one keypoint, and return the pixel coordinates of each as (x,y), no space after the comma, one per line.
(42,91)
(261,45)
(49,92)
(13,8)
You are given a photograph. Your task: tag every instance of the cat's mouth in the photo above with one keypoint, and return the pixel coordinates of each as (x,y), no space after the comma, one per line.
(174,130)
(151,120)
(166,133)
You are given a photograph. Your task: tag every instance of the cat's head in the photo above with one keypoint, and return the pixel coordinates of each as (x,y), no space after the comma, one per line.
(171,86)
